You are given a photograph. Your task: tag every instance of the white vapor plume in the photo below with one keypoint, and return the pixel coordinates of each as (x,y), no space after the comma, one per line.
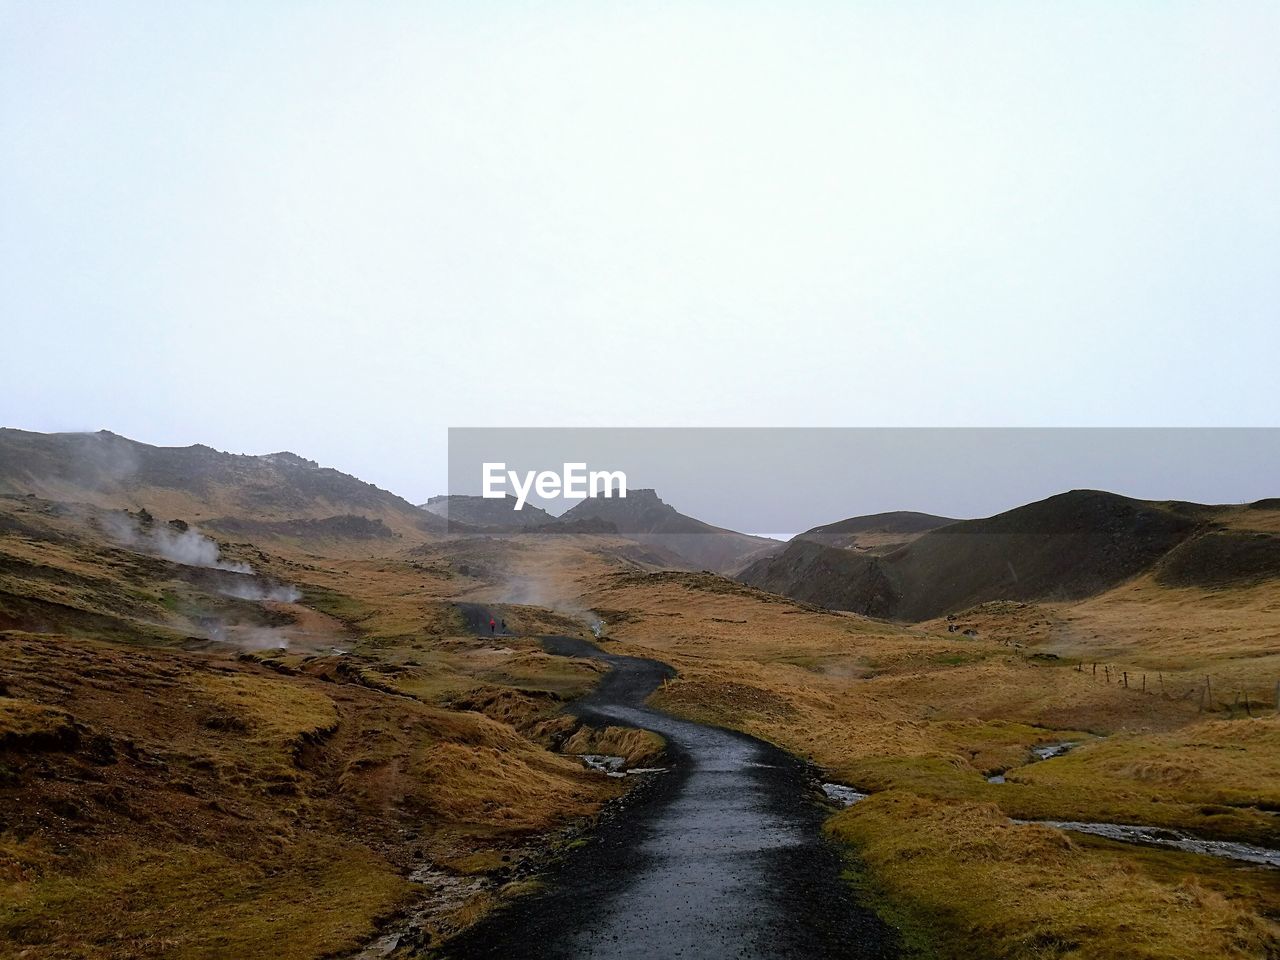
(546,591)
(186,546)
(258,589)
(258,638)
(244,636)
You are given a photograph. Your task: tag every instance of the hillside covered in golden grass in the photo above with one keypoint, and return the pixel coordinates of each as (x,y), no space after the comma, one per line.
(232,725)
(922,716)
(277,746)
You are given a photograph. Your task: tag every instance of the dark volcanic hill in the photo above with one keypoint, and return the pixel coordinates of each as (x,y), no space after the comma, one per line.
(1067,547)
(196,482)
(878,531)
(487,514)
(644,517)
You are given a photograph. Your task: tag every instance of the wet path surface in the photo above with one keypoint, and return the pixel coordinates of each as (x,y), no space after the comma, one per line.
(719,858)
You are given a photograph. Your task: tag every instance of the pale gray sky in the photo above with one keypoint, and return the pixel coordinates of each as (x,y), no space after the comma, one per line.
(339,228)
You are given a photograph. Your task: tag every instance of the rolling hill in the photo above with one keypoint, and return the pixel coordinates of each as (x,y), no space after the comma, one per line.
(279,494)
(487,514)
(1066,547)
(642,516)
(881,532)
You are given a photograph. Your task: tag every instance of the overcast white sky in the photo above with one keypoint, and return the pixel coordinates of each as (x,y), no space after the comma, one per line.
(339,228)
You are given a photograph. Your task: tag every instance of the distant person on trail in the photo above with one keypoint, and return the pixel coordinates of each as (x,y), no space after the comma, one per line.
(504,626)
(492,624)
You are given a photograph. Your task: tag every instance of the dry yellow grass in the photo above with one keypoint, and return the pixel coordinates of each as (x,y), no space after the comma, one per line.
(991,889)
(1230,634)
(310,898)
(208,807)
(639,747)
(923,715)
(1218,777)
(23,723)
(292,778)
(1175,635)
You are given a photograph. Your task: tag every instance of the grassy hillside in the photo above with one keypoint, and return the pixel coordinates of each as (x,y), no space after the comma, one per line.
(272,733)
(197,483)
(255,751)
(921,717)
(881,532)
(1067,547)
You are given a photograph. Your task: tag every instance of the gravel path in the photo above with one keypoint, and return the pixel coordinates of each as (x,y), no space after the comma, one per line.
(721,857)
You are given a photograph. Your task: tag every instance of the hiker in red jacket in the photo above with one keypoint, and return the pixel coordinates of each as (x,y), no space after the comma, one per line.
(492,624)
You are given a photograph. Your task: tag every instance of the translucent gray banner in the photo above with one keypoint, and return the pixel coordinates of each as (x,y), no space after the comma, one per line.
(781,481)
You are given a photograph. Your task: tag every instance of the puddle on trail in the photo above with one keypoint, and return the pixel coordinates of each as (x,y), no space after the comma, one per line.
(1043,751)
(1160,837)
(841,795)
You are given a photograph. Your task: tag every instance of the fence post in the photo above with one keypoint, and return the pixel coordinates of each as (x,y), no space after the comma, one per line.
(1247,711)
(1095,673)
(1144,683)
(1126,679)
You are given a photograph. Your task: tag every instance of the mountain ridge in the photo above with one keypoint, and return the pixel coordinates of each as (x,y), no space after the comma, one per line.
(197,481)
(1065,547)
(881,532)
(645,517)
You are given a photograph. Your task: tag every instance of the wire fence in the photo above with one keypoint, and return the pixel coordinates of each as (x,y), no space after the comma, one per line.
(1209,695)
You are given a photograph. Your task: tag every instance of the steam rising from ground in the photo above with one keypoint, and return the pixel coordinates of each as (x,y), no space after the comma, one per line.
(544,591)
(184,545)
(259,589)
(247,637)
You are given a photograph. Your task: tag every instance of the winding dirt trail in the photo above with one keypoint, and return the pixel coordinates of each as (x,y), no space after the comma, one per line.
(721,857)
